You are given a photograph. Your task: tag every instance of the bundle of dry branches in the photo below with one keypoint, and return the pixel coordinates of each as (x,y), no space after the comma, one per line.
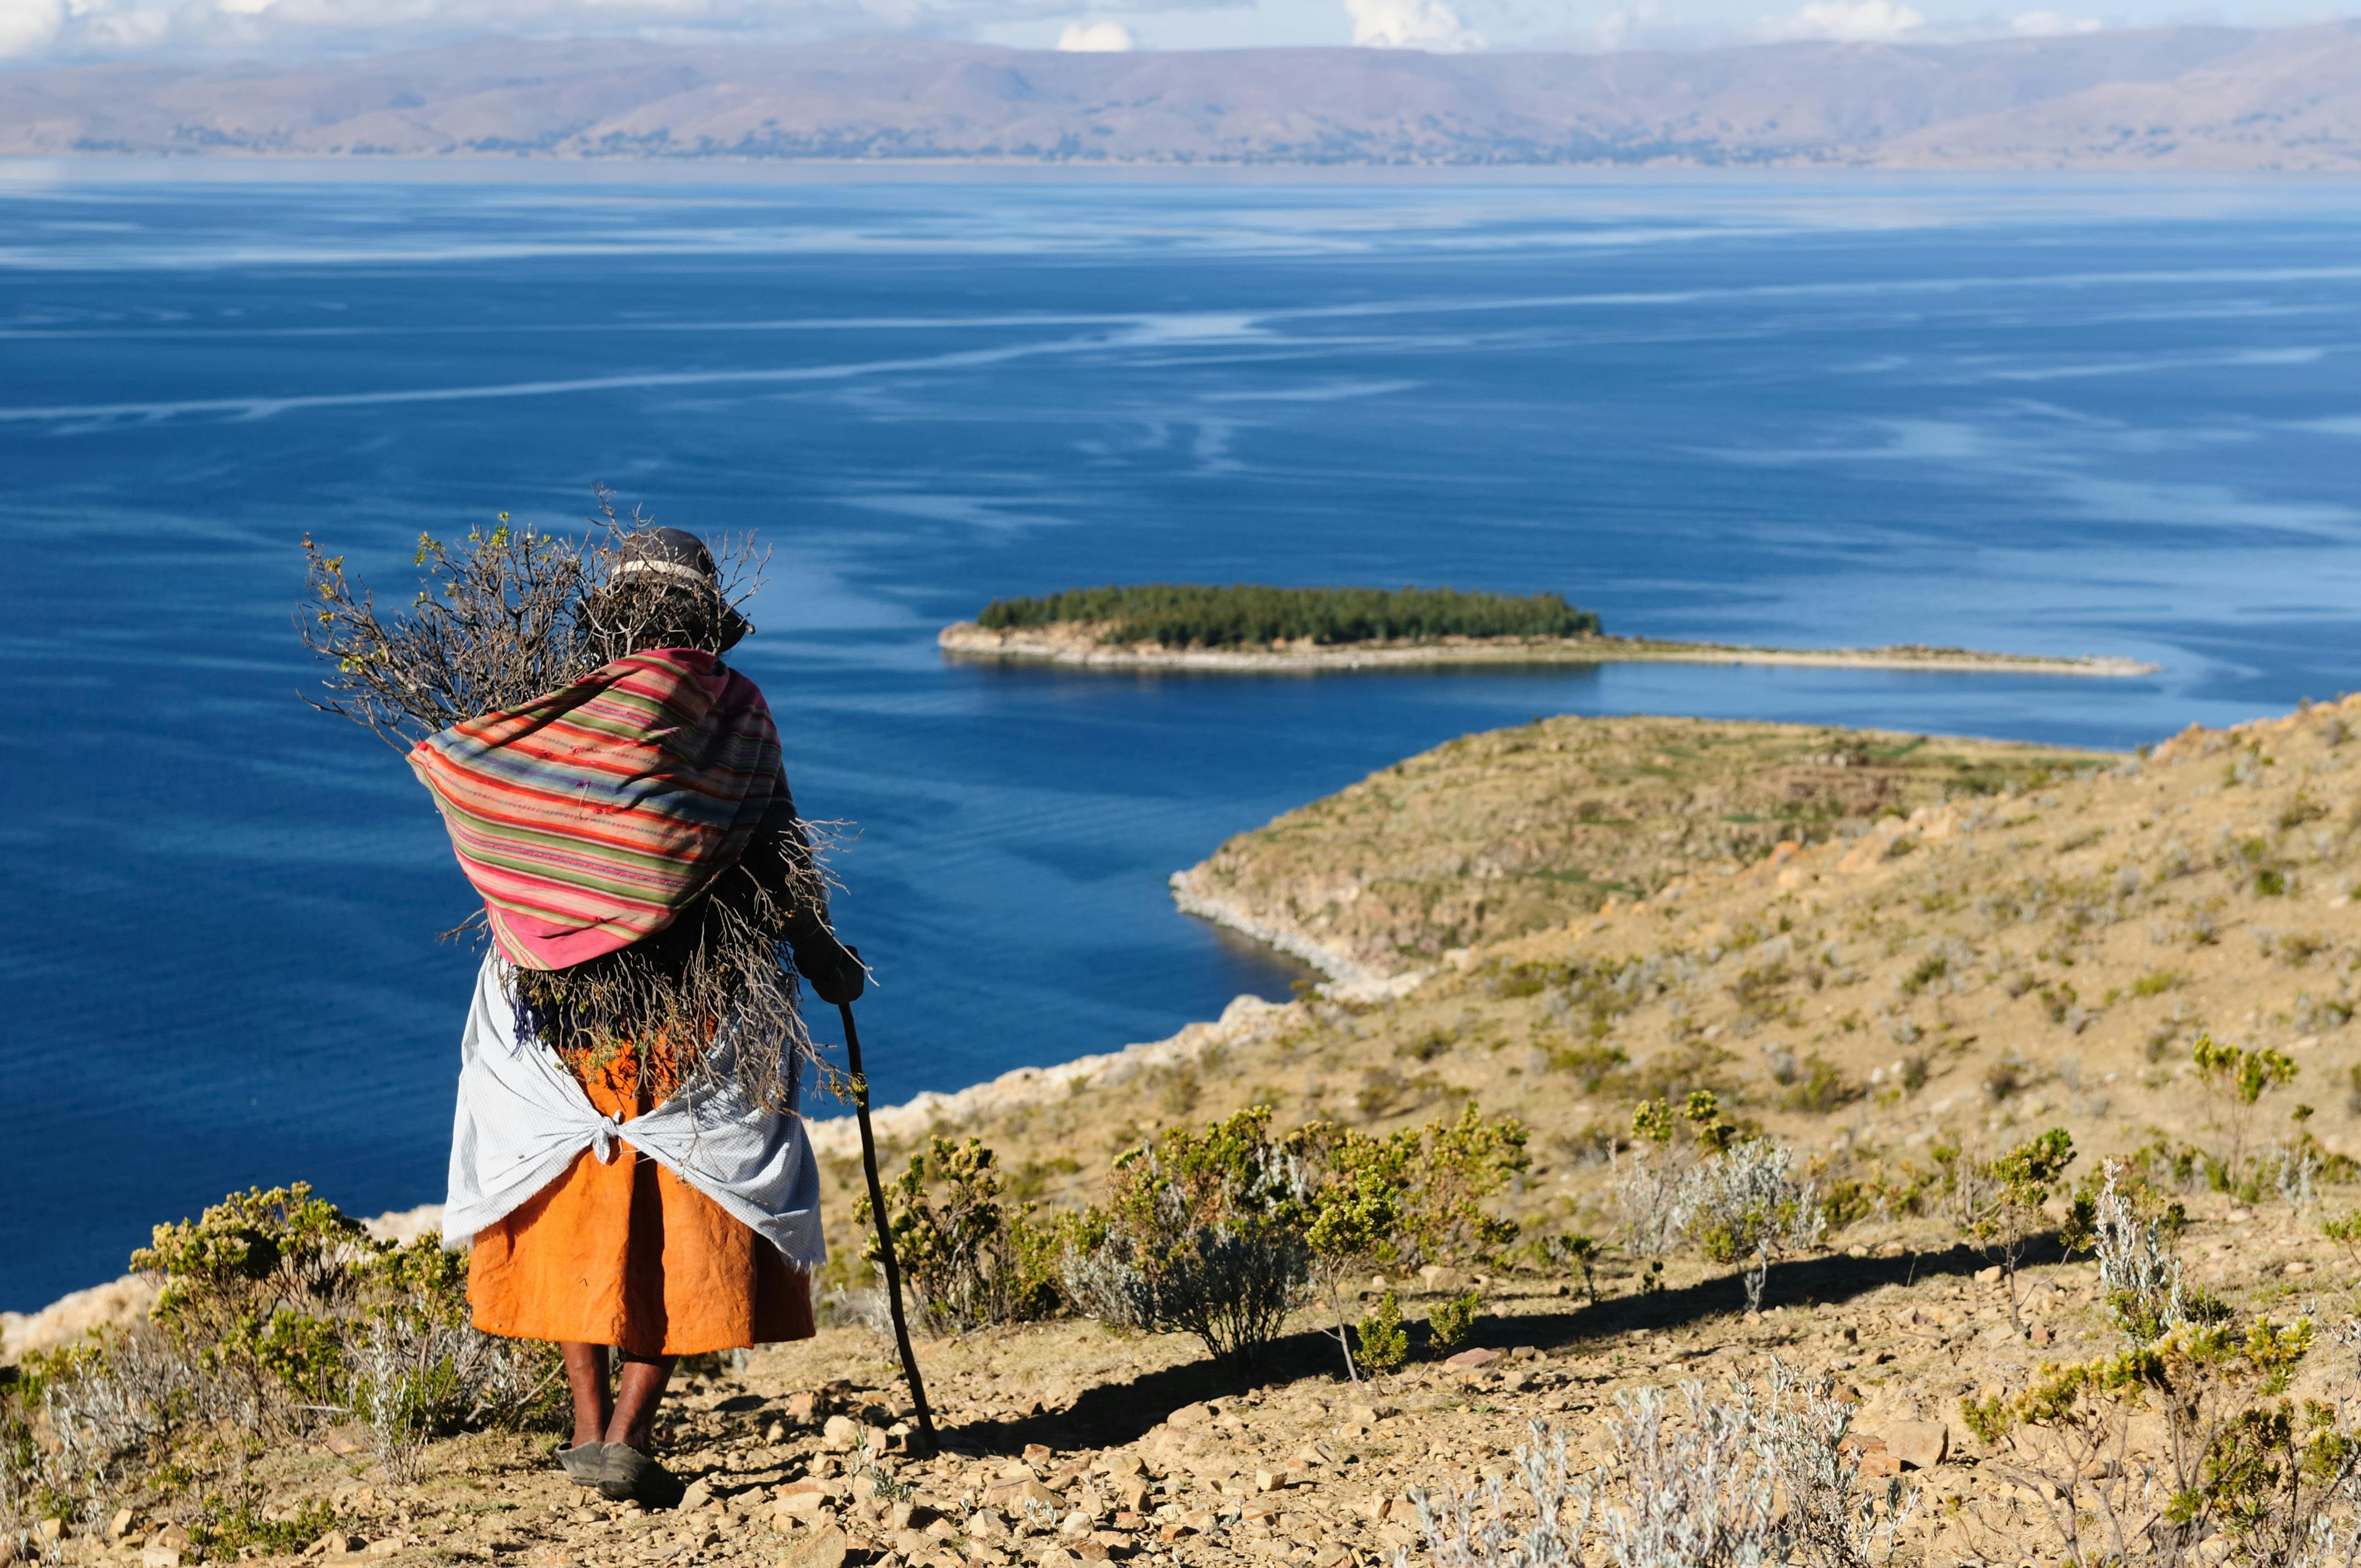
(508,615)
(499,619)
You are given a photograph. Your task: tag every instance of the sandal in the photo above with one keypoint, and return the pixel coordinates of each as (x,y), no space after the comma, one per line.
(582,1463)
(625,1474)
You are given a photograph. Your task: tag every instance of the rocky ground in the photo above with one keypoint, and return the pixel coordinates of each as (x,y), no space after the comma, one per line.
(1063,1444)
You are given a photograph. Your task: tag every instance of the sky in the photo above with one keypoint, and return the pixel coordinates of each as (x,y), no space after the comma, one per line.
(33,33)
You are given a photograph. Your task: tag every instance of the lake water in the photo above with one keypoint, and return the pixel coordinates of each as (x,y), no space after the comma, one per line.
(2062,416)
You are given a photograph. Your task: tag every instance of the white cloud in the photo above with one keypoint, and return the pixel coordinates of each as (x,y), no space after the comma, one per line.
(1622,28)
(1095,38)
(29,27)
(1846,21)
(214,29)
(1410,24)
(2050,25)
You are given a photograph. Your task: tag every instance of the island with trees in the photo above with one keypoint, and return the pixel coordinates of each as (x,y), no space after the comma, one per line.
(1256,627)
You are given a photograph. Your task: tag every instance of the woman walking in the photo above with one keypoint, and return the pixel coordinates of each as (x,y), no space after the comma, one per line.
(627,1160)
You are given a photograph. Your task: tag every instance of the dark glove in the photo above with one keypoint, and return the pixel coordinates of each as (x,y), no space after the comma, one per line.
(833,968)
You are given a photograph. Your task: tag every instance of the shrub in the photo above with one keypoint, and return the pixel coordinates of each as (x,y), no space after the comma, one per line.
(1590,1065)
(1201,1233)
(1427,1047)
(2140,1269)
(1453,1169)
(1381,1089)
(2237,1080)
(1648,1191)
(1819,1086)
(968,1260)
(1414,1197)
(420,1370)
(2345,1231)
(1352,1212)
(277,1312)
(1647,1188)
(1177,1089)
(2239,1459)
(1744,1205)
(2009,1074)
(1572,1251)
(2005,1211)
(1754,1477)
(1452,1320)
(254,1286)
(1384,1343)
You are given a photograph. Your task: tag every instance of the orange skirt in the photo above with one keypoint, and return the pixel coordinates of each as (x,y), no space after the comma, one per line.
(628,1254)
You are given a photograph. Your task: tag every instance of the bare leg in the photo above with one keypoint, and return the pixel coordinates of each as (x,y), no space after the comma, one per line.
(635,1402)
(585,1372)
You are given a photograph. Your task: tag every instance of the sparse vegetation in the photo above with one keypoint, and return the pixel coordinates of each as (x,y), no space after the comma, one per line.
(1743,1205)
(277,1316)
(1200,1233)
(1452,1320)
(2007,1210)
(2270,1478)
(1222,1232)
(1750,1477)
(1384,1343)
(2238,1078)
(1567,814)
(966,1260)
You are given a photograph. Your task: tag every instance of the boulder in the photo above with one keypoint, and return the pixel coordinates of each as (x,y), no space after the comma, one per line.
(1012,1496)
(1919,1445)
(823,1549)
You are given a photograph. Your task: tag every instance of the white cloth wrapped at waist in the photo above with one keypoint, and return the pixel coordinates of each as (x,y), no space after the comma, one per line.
(523,1119)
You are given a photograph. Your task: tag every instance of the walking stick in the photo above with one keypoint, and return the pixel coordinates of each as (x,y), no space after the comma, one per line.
(884,1230)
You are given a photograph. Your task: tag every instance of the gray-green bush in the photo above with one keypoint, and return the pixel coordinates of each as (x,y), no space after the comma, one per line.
(277,1315)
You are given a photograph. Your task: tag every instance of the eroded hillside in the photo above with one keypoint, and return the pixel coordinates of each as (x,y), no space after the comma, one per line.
(1495,835)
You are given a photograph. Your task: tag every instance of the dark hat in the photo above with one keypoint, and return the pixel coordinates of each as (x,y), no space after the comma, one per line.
(674,558)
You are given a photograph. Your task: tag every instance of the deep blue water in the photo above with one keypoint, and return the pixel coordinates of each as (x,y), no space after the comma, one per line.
(2059,416)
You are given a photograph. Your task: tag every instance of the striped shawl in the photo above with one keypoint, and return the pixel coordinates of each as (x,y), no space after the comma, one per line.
(590,817)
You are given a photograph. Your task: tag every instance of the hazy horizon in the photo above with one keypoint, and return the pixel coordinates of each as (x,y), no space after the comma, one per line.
(211,32)
(2191,98)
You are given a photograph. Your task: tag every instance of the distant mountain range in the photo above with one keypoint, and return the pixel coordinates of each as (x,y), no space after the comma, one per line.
(2198,98)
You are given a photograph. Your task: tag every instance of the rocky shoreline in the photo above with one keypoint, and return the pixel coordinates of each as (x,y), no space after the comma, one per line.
(1349,979)
(1079,646)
